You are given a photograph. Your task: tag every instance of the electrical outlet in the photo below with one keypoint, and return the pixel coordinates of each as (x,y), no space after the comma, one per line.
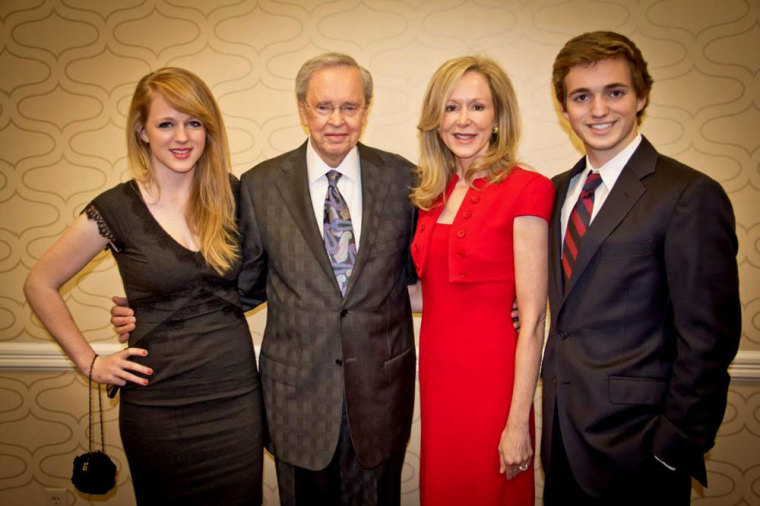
(55,497)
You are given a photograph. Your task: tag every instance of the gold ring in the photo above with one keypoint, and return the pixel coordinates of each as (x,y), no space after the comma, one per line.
(523,467)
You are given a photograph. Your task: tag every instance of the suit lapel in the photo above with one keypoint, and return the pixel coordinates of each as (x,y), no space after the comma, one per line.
(294,188)
(562,183)
(626,192)
(375,185)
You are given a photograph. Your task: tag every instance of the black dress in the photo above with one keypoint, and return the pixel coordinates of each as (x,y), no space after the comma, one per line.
(193,435)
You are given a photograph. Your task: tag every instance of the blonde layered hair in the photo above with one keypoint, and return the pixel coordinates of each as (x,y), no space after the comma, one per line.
(437,162)
(211,213)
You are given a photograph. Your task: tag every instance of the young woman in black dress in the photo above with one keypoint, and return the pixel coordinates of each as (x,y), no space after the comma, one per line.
(190,407)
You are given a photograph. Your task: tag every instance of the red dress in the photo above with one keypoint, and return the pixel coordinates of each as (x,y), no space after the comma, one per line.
(467,341)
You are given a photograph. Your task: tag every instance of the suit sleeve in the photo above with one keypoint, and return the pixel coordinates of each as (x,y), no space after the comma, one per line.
(410,271)
(253,273)
(700,261)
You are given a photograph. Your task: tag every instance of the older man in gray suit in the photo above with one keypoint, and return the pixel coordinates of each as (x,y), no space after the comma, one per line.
(325,233)
(326,230)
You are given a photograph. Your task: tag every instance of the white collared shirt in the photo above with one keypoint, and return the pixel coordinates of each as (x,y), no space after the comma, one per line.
(349,185)
(609,172)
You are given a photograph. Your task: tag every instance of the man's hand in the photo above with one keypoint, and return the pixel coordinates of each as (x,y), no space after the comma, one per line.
(515,316)
(122,318)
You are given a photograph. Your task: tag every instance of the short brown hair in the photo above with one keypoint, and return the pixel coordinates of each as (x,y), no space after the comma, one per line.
(591,47)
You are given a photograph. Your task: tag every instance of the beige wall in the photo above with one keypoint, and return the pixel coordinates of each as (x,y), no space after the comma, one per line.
(68,68)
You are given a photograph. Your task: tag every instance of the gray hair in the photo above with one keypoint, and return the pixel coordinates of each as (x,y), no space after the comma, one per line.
(330,60)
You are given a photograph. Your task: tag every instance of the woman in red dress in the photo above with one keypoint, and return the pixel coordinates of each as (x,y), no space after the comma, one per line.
(481,242)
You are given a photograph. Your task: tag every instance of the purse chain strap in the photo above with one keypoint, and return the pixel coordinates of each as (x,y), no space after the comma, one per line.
(100,408)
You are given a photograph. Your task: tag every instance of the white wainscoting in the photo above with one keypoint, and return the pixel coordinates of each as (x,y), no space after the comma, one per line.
(42,356)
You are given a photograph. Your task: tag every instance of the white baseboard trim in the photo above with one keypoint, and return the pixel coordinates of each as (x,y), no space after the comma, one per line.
(746,366)
(48,356)
(41,356)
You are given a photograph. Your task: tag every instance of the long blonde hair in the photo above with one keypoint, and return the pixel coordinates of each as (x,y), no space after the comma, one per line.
(211,213)
(437,162)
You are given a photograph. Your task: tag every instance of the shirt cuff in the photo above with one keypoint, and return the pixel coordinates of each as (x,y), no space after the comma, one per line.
(671,468)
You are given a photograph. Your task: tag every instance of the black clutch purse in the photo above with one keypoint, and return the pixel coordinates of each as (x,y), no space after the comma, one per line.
(94,471)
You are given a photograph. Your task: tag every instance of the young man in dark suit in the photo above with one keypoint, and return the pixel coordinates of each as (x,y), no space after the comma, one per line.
(643,294)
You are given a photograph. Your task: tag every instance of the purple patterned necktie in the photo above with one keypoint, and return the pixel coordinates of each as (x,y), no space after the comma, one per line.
(338,232)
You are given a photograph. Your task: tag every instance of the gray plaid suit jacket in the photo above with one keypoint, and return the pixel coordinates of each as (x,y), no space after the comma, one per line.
(318,346)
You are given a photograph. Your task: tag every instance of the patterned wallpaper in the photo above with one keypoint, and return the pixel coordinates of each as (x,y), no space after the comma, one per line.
(68,69)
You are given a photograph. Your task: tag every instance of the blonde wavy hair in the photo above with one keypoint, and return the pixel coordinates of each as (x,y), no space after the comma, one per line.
(437,162)
(211,213)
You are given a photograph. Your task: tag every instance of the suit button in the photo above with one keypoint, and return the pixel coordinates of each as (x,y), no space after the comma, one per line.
(563,335)
(466,215)
(475,199)
(339,362)
(461,233)
(459,255)
(343,313)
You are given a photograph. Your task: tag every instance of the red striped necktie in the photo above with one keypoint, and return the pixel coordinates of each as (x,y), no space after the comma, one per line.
(579,220)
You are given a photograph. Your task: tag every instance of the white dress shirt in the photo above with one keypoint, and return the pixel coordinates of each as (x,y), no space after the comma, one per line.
(609,172)
(349,185)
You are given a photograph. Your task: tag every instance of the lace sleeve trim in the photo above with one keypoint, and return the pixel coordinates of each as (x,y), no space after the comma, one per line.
(93,214)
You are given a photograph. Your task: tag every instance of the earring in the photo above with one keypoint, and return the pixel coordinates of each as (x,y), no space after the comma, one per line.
(495,129)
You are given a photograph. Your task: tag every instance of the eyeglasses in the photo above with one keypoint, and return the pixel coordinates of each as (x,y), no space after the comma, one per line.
(347,110)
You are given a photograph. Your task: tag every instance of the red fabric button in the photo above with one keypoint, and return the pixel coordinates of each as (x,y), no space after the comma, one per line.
(461,233)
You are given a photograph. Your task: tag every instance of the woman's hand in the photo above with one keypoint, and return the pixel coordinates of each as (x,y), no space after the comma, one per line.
(117,369)
(531,273)
(515,451)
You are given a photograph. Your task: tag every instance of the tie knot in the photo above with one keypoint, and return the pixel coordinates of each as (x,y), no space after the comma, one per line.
(592,183)
(332,177)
